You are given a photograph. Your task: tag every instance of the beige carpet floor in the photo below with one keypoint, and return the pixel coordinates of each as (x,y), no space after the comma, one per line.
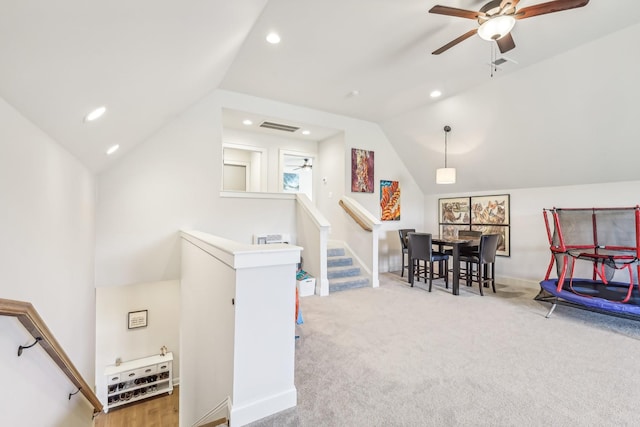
(401,356)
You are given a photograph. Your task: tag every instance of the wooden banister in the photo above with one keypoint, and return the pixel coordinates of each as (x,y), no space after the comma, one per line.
(31,320)
(355,217)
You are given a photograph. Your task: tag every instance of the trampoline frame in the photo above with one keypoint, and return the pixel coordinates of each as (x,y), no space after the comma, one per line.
(591,251)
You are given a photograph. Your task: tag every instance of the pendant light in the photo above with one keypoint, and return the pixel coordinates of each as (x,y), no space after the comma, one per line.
(446,175)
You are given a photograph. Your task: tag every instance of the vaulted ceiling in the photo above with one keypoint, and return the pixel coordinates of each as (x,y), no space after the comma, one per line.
(149,60)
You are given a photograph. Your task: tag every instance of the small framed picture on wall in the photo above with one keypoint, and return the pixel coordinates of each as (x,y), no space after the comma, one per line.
(138,319)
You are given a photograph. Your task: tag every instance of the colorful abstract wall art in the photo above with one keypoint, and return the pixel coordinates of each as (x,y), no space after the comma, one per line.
(389,200)
(361,171)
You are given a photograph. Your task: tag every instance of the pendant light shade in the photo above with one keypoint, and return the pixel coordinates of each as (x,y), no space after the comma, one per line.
(446,175)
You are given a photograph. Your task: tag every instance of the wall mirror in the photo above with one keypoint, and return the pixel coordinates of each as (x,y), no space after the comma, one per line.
(243,168)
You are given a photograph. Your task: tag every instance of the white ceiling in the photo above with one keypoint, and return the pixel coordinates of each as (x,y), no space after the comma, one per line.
(149,60)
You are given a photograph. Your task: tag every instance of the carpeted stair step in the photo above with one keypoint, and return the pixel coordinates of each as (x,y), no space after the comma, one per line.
(338,272)
(339,261)
(345,283)
(335,252)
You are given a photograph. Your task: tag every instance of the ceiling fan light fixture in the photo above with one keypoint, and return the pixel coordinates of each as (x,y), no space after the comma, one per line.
(497,27)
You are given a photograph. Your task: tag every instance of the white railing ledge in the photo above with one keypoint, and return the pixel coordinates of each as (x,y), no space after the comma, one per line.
(313,211)
(241,255)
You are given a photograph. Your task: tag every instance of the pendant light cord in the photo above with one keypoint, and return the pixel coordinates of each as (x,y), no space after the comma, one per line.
(447,129)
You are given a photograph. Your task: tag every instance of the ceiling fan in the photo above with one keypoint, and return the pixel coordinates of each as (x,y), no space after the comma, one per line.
(305,165)
(498,17)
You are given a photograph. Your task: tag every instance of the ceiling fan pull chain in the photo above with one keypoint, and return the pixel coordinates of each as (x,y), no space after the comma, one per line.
(492,59)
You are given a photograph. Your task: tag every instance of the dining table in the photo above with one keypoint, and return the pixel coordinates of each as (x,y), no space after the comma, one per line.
(455,244)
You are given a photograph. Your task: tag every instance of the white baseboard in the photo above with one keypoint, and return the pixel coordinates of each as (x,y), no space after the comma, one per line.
(244,414)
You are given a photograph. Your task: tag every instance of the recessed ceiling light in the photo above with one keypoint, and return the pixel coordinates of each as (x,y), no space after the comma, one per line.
(435,93)
(95,114)
(247,122)
(306,132)
(113,149)
(273,38)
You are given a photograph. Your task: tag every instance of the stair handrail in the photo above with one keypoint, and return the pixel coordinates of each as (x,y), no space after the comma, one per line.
(361,216)
(33,323)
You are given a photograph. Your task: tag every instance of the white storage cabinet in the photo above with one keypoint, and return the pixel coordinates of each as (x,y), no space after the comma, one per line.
(138,379)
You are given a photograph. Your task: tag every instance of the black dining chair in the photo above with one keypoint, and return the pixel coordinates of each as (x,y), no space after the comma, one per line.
(480,266)
(421,249)
(405,249)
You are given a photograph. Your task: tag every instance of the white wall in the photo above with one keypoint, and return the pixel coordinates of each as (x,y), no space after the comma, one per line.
(46,257)
(530,253)
(172,181)
(114,339)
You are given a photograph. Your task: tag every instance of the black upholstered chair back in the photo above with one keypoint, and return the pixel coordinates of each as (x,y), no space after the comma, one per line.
(420,246)
(403,236)
(488,248)
(405,248)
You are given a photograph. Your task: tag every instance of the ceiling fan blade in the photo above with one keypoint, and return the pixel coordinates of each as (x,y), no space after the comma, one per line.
(460,13)
(506,43)
(452,43)
(549,7)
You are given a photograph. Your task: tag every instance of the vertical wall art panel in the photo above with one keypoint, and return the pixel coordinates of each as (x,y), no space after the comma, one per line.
(455,211)
(490,209)
(389,200)
(361,171)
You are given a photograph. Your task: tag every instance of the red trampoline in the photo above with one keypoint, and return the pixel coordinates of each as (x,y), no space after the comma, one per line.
(608,240)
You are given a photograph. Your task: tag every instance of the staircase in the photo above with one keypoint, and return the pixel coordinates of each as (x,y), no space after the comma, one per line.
(342,273)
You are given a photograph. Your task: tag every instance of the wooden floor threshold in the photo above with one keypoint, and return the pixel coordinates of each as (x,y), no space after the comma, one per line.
(218,422)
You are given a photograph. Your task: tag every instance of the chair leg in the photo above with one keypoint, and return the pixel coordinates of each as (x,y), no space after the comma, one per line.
(479,275)
(403,266)
(485,275)
(412,274)
(446,273)
(493,277)
(430,273)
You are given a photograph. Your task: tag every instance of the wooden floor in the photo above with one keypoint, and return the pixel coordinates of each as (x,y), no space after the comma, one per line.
(158,411)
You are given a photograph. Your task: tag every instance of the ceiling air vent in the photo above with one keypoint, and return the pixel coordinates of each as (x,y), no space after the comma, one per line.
(278,126)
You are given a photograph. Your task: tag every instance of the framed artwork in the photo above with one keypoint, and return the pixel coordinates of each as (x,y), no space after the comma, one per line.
(290,182)
(454,211)
(361,171)
(490,209)
(389,200)
(504,244)
(138,319)
(488,214)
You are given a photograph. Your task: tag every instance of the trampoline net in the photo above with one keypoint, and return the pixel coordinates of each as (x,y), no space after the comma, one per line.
(607,237)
